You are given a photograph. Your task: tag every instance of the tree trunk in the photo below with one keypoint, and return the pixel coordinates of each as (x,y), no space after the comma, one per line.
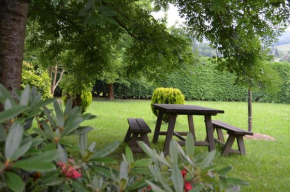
(13,18)
(250,111)
(111,91)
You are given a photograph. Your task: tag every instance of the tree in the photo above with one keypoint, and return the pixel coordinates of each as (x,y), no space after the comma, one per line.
(236,29)
(13,18)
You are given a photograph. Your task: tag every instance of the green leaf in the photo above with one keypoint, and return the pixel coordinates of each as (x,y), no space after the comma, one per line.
(52,178)
(144,171)
(224,170)
(14,182)
(78,187)
(123,184)
(59,114)
(129,155)
(106,150)
(197,188)
(47,156)
(124,170)
(143,162)
(95,19)
(49,117)
(7,104)
(62,154)
(43,134)
(105,171)
(68,107)
(71,126)
(236,181)
(208,159)
(40,104)
(154,187)
(13,139)
(189,145)
(25,96)
(2,133)
(47,129)
(177,179)
(6,94)
(83,143)
(55,2)
(35,165)
(21,151)
(173,151)
(84,130)
(11,113)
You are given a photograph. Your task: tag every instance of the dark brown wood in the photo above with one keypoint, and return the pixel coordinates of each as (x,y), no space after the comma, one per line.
(220,135)
(178,132)
(111,91)
(186,109)
(241,145)
(170,130)
(234,133)
(178,136)
(228,145)
(196,143)
(230,128)
(128,136)
(209,131)
(191,126)
(138,130)
(158,126)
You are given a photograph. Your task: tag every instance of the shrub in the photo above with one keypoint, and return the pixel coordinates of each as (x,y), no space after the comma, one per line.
(38,78)
(41,159)
(166,96)
(78,92)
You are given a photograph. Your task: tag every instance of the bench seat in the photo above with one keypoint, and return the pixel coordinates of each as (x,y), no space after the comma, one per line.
(234,133)
(138,130)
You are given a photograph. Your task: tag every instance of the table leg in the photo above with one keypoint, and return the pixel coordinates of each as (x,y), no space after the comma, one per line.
(169,134)
(191,126)
(157,127)
(209,132)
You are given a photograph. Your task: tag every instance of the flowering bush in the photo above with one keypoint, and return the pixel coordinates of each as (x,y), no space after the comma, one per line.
(40,160)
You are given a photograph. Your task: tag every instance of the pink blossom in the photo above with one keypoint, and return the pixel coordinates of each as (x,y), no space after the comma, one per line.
(187,186)
(68,170)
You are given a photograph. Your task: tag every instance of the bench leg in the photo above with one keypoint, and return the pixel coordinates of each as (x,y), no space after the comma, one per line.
(228,145)
(169,134)
(209,132)
(241,145)
(220,135)
(128,136)
(157,127)
(134,144)
(145,138)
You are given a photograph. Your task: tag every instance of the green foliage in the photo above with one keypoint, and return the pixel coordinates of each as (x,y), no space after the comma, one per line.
(38,78)
(166,96)
(42,160)
(77,91)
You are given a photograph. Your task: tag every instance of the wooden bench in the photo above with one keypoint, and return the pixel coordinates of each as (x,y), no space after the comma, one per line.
(138,130)
(234,133)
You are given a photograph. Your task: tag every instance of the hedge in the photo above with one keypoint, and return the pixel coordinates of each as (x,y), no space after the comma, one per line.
(203,82)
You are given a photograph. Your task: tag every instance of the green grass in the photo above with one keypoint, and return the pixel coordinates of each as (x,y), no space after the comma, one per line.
(267,163)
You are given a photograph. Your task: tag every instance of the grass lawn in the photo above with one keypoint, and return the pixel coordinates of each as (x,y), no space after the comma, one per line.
(267,163)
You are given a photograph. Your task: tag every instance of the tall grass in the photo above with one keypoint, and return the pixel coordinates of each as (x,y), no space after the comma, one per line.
(267,163)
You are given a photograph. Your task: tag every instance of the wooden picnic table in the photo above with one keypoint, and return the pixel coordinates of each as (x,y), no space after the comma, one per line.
(173,110)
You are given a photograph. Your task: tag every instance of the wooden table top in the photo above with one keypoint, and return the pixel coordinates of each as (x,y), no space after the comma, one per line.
(186,109)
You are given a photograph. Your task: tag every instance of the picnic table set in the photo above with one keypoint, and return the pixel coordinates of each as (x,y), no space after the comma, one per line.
(138,129)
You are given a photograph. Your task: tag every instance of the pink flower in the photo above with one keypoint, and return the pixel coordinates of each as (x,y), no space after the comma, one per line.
(69,171)
(187,186)
(183,172)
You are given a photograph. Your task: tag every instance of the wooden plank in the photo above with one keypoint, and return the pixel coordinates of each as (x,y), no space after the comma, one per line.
(201,143)
(219,141)
(228,145)
(191,126)
(128,136)
(233,129)
(241,145)
(220,135)
(134,126)
(143,125)
(169,135)
(158,126)
(209,131)
(178,136)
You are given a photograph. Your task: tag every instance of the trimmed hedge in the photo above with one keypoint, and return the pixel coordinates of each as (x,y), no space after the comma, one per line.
(166,96)
(204,82)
